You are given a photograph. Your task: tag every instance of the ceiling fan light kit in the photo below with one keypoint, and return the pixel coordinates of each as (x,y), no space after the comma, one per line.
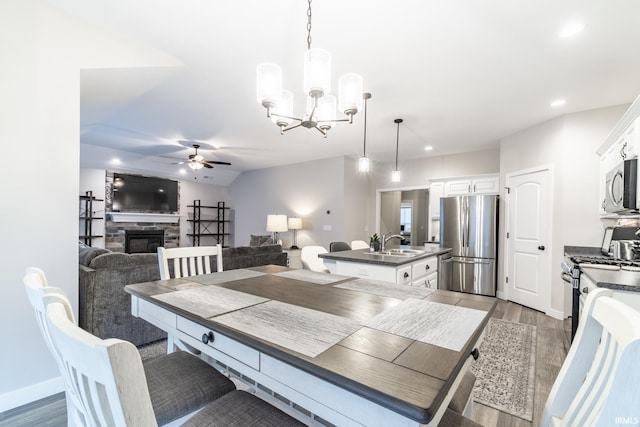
(197,161)
(321,105)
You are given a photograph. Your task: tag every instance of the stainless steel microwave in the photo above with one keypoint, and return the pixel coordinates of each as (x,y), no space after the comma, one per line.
(621,187)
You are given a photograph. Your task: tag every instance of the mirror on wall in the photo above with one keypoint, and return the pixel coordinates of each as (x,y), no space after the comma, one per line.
(405,212)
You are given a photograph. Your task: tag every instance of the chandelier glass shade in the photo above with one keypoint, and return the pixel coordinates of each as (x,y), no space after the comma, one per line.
(321,106)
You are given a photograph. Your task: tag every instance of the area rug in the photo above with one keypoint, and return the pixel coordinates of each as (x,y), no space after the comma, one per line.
(151,350)
(505,370)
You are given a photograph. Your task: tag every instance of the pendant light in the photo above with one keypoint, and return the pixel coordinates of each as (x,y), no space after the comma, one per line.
(395,175)
(363,163)
(321,105)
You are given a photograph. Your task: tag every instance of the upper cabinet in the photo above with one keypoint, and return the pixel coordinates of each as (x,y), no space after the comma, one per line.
(481,185)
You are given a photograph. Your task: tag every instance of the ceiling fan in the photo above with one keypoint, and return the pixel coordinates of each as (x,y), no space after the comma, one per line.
(197,161)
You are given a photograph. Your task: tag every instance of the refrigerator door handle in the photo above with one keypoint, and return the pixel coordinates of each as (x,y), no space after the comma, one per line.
(463,261)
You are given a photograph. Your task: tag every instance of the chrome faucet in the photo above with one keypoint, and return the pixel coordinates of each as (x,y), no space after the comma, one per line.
(388,237)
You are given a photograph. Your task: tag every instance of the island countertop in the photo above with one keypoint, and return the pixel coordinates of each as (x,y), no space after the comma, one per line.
(363,256)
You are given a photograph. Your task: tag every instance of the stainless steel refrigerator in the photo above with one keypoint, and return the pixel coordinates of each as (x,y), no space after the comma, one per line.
(469,226)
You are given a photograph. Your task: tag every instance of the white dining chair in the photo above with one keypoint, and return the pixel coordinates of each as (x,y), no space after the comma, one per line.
(359,244)
(598,383)
(180,383)
(310,260)
(37,289)
(188,261)
(117,390)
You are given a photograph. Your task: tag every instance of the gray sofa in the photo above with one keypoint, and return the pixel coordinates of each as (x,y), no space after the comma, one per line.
(105,307)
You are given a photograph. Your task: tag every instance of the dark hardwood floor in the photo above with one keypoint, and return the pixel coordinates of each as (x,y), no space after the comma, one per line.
(553,340)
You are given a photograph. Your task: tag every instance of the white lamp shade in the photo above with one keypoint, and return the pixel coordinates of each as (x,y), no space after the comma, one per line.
(268,84)
(284,107)
(395,176)
(295,223)
(276,223)
(350,93)
(363,164)
(327,110)
(317,71)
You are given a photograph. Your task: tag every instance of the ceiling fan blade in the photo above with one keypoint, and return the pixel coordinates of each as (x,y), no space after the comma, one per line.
(215,162)
(207,166)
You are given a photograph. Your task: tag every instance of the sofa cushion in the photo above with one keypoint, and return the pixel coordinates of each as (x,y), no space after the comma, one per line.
(119,259)
(87,253)
(260,240)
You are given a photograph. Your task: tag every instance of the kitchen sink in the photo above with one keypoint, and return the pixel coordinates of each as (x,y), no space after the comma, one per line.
(405,253)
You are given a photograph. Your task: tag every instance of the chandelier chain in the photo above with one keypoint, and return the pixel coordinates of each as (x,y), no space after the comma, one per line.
(309,26)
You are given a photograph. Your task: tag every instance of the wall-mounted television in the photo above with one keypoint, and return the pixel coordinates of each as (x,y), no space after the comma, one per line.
(135,193)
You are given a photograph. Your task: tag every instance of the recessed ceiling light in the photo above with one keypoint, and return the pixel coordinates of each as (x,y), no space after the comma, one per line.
(428,148)
(558,102)
(115,161)
(571,29)
(183,171)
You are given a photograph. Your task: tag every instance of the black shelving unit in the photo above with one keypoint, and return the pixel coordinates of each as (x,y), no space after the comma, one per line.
(215,227)
(87,218)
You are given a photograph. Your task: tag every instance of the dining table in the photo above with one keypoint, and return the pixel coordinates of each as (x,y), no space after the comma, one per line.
(329,349)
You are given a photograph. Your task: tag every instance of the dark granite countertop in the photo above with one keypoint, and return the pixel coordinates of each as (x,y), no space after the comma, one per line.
(363,256)
(618,280)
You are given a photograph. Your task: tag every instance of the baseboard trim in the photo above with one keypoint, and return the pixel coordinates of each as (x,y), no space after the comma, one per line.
(556,314)
(26,395)
(501,295)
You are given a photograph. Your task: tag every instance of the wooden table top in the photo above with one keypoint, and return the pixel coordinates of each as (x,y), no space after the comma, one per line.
(351,340)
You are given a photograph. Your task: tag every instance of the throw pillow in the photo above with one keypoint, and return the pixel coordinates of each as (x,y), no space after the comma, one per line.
(259,240)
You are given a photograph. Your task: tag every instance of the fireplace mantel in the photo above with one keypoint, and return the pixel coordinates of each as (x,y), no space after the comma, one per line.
(143,217)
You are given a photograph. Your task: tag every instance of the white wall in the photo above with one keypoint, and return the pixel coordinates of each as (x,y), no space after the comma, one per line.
(313,191)
(568,145)
(43,52)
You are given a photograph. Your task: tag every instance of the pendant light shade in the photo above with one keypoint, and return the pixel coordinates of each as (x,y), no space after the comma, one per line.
(317,72)
(395,175)
(269,85)
(363,163)
(283,109)
(350,93)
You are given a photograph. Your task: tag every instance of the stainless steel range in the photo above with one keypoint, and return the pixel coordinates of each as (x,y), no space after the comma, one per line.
(571,273)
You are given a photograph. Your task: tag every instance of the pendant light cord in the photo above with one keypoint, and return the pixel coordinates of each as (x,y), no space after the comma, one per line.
(364,148)
(398,121)
(309,26)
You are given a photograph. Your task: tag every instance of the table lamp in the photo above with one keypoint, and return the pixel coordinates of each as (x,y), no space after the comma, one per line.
(295,224)
(276,224)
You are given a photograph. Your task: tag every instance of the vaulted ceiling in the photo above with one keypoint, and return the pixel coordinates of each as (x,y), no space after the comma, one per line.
(461,73)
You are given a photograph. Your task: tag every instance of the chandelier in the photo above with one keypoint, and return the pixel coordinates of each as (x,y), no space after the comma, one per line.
(321,105)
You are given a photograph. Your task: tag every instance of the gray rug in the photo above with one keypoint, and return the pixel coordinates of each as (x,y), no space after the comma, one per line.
(151,350)
(506,367)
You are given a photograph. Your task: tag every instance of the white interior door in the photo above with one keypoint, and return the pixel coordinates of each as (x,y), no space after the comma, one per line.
(528,254)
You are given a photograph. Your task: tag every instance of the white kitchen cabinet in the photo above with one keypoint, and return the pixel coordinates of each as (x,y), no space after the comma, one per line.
(480,185)
(411,274)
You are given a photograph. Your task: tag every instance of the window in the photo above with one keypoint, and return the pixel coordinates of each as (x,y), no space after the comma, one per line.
(405,217)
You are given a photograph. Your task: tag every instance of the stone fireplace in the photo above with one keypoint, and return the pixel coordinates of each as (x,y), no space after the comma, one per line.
(143,241)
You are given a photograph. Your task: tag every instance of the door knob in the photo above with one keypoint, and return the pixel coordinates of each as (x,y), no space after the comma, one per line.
(541,248)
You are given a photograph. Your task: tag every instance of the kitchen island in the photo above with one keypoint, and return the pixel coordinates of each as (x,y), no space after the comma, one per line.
(419,267)
(333,348)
